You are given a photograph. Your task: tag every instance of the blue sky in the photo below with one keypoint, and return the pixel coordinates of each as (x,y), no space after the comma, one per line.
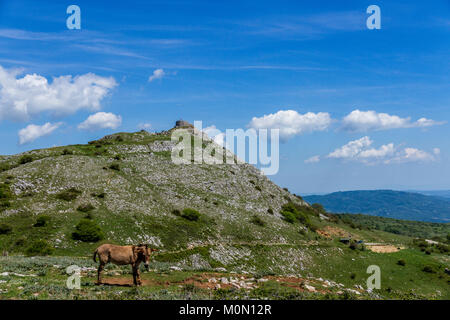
(378,100)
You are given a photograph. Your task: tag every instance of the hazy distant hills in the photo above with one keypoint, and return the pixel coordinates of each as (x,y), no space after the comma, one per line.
(387,203)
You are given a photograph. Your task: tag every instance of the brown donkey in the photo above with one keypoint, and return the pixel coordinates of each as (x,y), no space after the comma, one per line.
(122,255)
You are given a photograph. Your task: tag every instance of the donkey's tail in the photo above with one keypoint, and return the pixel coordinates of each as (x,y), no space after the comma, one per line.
(95,254)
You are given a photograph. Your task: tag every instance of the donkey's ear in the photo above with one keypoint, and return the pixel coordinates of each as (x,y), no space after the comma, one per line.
(146,246)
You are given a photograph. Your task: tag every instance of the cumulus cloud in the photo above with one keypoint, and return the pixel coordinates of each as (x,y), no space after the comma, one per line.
(144,126)
(215,134)
(22,98)
(351,149)
(101,120)
(411,155)
(313,159)
(361,150)
(32,132)
(157,74)
(291,123)
(372,121)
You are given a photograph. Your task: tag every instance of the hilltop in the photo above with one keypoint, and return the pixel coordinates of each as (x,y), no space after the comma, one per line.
(386,203)
(209,222)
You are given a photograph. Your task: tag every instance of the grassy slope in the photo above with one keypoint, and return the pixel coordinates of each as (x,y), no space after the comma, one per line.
(137,208)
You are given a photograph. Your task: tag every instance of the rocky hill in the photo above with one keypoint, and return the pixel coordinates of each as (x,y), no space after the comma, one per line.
(135,192)
(225,218)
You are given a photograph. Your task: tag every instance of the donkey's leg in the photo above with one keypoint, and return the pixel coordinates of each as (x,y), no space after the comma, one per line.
(138,276)
(99,272)
(134,275)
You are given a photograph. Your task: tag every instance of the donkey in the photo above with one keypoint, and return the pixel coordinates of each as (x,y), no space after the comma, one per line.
(122,255)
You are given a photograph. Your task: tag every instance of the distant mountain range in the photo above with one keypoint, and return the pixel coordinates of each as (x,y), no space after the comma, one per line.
(388,203)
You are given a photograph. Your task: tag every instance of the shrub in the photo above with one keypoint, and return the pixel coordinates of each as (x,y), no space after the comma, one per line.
(258,188)
(428,269)
(89,216)
(258,221)
(117,157)
(401,262)
(39,248)
(66,152)
(270,210)
(115,166)
(85,207)
(42,221)
(5,204)
(5,191)
(190,214)
(318,207)
(176,212)
(288,216)
(20,242)
(69,194)
(25,159)
(353,276)
(5,228)
(100,195)
(87,231)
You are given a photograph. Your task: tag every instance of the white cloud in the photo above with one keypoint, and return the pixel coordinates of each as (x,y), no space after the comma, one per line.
(291,123)
(437,151)
(22,98)
(313,159)
(351,149)
(215,134)
(157,74)
(101,120)
(359,150)
(144,126)
(371,120)
(32,132)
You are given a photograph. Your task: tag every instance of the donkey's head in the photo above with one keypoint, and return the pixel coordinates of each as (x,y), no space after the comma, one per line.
(143,253)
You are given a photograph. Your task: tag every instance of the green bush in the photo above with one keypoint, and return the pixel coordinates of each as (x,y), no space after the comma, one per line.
(42,221)
(318,207)
(288,216)
(190,214)
(100,195)
(115,166)
(39,248)
(300,213)
(66,152)
(5,191)
(258,221)
(401,262)
(85,207)
(270,210)
(25,159)
(5,228)
(69,194)
(428,269)
(87,231)
(176,212)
